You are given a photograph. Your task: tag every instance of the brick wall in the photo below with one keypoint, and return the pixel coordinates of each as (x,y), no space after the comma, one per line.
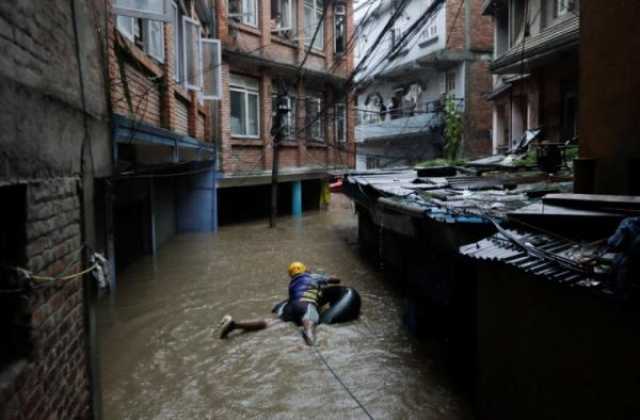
(481,28)
(455,24)
(155,96)
(240,154)
(477,131)
(53,381)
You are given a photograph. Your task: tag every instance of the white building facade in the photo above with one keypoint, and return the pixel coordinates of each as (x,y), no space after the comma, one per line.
(402,89)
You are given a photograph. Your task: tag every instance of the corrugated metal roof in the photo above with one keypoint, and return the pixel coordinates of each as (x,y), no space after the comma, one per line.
(590,266)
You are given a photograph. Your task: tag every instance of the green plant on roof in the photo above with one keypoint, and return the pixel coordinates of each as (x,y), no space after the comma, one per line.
(453,126)
(439,162)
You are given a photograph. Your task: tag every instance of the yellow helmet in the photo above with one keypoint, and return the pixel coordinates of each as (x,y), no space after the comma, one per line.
(296,268)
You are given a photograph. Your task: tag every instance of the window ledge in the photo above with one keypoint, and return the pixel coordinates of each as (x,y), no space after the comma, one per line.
(316,52)
(288,143)
(246,141)
(320,144)
(137,54)
(283,41)
(428,42)
(182,93)
(243,27)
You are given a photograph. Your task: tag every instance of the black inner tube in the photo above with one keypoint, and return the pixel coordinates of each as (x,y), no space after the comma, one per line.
(343,305)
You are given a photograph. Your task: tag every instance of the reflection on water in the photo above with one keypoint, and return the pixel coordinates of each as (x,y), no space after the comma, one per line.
(160,357)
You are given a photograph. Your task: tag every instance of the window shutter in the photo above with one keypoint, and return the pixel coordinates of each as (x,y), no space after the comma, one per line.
(211,69)
(192,54)
(125,26)
(145,9)
(154,39)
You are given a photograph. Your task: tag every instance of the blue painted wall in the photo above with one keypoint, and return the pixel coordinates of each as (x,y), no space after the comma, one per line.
(197,207)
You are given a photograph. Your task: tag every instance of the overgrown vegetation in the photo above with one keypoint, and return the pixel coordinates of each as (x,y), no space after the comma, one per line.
(439,162)
(453,126)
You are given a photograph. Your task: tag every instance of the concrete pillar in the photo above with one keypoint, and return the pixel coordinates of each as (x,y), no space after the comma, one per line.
(296,198)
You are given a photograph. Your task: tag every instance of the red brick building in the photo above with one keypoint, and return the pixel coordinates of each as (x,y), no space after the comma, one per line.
(266,51)
(162,79)
(54,145)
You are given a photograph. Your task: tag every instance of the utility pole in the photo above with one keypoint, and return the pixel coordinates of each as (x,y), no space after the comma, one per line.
(276,133)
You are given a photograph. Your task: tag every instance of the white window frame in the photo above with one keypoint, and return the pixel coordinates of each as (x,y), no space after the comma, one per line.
(430,32)
(245,86)
(562,7)
(121,24)
(250,19)
(197,54)
(290,132)
(216,70)
(147,39)
(317,125)
(125,8)
(341,115)
(253,16)
(178,43)
(284,26)
(340,18)
(317,10)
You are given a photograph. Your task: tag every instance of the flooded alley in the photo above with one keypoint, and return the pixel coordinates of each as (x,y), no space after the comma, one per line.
(161,357)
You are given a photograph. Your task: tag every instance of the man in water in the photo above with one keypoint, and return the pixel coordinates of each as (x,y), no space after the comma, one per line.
(305,292)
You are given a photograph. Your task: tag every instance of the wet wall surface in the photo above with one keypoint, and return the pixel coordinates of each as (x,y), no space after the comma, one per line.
(160,355)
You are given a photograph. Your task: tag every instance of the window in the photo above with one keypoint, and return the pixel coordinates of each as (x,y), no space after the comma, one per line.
(178,43)
(147,34)
(451,82)
(313,17)
(159,10)
(125,25)
(517,20)
(245,109)
(154,39)
(340,29)
(341,122)
(192,54)
(244,11)
(211,74)
(394,37)
(289,129)
(314,119)
(430,30)
(283,15)
(562,7)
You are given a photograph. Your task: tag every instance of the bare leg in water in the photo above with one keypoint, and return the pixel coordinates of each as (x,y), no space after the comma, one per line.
(309,331)
(228,324)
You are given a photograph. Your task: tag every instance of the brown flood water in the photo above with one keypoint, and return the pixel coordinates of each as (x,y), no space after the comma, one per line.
(160,356)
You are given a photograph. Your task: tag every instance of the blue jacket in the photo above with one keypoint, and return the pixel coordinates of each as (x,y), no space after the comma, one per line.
(306,287)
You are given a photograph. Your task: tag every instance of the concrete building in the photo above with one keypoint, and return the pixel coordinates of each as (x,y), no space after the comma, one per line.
(401,95)
(535,70)
(162,77)
(267,49)
(54,144)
